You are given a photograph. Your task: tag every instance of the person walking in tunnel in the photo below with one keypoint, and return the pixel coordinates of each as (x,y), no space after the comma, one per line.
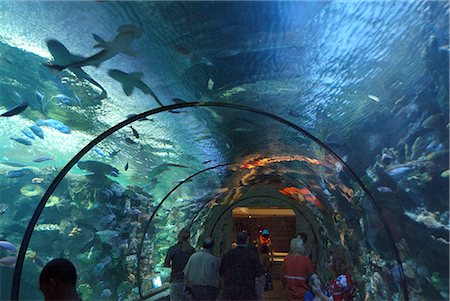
(294,270)
(177,258)
(202,273)
(58,280)
(239,269)
(342,287)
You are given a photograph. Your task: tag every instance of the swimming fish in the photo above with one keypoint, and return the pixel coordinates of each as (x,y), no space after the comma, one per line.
(58,125)
(129,141)
(28,133)
(132,80)
(13,163)
(42,159)
(114,152)
(22,141)
(37,131)
(6,245)
(98,168)
(8,261)
(141,119)
(37,180)
(384,189)
(99,151)
(41,100)
(374,98)
(400,171)
(135,133)
(121,44)
(63,99)
(126,166)
(37,261)
(62,56)
(15,110)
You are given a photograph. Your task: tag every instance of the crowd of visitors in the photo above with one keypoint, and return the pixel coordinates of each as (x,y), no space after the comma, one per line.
(243,273)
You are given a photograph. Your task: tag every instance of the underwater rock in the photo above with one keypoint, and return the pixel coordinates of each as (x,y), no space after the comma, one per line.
(31,190)
(88,257)
(107,236)
(47,227)
(85,291)
(53,201)
(106,221)
(117,190)
(106,293)
(429,219)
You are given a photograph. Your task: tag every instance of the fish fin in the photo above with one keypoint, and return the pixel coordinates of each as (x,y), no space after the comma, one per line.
(100,42)
(96,64)
(55,68)
(130,52)
(128,90)
(98,38)
(178,100)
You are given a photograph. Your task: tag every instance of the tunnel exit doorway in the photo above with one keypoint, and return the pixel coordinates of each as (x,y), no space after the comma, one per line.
(280,222)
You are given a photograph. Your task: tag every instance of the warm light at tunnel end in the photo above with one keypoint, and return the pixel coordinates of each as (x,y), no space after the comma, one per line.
(258,162)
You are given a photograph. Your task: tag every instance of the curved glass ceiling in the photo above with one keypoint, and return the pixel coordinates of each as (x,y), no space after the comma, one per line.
(369,80)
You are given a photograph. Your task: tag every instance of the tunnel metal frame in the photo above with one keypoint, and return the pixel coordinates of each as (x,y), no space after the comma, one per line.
(147,224)
(39,208)
(141,244)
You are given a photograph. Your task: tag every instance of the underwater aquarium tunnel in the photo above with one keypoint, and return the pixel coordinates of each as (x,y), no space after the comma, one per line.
(124,122)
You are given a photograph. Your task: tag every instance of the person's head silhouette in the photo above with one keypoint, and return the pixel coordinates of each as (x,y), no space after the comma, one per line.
(58,279)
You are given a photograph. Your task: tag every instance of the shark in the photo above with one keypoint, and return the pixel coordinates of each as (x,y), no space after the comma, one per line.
(121,44)
(132,80)
(62,56)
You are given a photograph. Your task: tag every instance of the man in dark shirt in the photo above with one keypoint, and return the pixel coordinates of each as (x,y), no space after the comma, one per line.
(239,269)
(176,258)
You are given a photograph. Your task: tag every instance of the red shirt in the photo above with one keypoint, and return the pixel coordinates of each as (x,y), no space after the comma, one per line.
(294,270)
(342,288)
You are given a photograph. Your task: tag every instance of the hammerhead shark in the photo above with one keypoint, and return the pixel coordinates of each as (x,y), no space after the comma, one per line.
(132,80)
(120,44)
(62,56)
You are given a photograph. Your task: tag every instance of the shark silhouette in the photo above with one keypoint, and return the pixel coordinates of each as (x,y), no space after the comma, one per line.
(132,80)
(62,56)
(121,44)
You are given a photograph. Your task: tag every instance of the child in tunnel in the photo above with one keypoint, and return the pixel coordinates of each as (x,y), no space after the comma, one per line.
(341,288)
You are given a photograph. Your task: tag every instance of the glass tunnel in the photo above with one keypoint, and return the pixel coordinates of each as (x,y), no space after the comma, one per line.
(124,122)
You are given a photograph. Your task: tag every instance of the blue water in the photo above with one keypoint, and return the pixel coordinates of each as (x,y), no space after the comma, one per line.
(365,78)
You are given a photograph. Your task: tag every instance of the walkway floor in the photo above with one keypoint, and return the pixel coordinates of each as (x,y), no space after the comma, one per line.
(277,293)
